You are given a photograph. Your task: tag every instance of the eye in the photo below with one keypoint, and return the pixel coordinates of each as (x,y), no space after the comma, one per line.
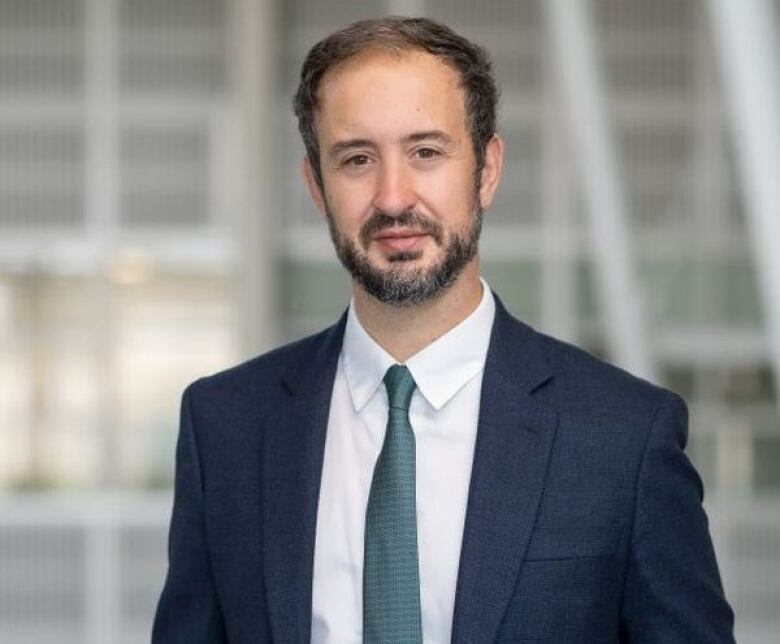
(356,160)
(427,154)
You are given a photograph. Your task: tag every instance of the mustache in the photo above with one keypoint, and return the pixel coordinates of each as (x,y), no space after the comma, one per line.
(408,219)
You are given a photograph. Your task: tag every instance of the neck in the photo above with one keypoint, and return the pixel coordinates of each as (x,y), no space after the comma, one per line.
(403,331)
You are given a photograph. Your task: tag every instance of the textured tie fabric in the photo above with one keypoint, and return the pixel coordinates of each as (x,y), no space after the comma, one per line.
(391,577)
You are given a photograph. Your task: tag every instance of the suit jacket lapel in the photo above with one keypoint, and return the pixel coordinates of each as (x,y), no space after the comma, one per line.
(294,443)
(514,440)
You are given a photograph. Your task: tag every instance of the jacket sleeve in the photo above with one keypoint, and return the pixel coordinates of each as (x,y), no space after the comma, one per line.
(673,593)
(188,610)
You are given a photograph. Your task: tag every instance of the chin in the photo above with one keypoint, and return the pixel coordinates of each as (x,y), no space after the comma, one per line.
(410,256)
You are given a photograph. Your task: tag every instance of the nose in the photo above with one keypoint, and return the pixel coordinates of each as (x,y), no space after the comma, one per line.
(394,193)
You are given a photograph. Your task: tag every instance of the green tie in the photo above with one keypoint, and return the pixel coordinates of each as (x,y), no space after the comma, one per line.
(391,578)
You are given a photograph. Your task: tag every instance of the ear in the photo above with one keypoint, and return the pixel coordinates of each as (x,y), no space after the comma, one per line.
(491,172)
(311,185)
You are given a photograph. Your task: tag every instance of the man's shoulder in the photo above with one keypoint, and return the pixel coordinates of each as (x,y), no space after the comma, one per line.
(266,372)
(592,384)
(579,365)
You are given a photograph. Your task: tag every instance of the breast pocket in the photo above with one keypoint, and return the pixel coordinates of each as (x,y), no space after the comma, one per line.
(567,593)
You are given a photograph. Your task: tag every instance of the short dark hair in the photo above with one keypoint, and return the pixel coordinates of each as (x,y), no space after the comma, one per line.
(399,34)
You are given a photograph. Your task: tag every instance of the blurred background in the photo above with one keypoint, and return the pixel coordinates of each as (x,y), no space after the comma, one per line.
(154,228)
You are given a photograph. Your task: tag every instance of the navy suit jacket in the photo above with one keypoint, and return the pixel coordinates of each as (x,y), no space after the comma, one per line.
(584,520)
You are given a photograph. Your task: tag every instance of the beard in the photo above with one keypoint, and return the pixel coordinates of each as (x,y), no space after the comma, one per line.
(399,285)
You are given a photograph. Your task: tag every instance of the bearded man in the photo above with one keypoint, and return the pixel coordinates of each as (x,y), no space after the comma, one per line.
(429,469)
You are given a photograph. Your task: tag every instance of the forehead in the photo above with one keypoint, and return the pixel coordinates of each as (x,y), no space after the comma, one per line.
(399,86)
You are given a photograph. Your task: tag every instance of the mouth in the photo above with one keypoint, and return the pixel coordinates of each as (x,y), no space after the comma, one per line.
(400,240)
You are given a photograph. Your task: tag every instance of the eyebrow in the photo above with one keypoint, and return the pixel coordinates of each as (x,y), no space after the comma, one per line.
(349,144)
(426,135)
(429,135)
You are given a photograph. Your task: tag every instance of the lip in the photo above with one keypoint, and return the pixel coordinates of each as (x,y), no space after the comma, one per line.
(400,240)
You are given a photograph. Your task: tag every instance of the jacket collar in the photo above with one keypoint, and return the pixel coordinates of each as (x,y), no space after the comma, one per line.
(514,441)
(293,447)
(440,369)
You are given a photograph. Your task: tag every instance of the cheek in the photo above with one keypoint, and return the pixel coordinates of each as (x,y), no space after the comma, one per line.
(449,192)
(343,204)
(348,216)
(451,202)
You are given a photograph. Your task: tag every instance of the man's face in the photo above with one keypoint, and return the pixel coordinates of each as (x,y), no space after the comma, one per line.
(400,193)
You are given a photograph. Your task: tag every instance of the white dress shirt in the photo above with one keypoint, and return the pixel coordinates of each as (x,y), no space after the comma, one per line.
(443,414)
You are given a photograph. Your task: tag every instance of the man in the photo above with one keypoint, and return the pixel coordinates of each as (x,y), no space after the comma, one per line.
(429,468)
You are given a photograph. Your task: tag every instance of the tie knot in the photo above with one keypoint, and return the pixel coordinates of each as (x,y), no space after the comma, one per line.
(400,386)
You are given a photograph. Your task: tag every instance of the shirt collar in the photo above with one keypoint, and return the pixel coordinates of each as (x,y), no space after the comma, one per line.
(440,369)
